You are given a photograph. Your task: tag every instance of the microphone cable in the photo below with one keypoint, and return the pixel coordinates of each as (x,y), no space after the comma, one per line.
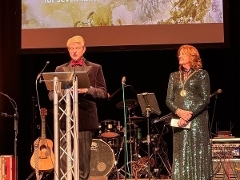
(37,94)
(38,77)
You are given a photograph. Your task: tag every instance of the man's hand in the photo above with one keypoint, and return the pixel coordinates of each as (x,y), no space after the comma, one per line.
(82,90)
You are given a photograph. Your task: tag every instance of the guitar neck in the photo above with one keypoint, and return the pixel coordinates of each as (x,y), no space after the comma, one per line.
(43,112)
(43,129)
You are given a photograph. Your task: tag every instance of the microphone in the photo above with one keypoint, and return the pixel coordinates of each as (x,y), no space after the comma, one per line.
(216,93)
(123,79)
(39,75)
(6,115)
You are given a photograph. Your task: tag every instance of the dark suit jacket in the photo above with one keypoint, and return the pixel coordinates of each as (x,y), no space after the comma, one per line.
(88,115)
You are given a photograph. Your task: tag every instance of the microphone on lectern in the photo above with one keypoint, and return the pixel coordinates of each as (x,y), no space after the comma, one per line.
(39,75)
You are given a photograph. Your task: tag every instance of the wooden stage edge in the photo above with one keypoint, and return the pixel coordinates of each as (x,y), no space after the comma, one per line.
(106,178)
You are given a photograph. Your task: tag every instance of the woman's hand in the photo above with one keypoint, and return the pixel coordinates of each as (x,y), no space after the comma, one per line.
(184,114)
(182,122)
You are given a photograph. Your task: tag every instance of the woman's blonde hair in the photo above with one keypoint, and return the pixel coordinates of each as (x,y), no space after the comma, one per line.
(76,39)
(192,52)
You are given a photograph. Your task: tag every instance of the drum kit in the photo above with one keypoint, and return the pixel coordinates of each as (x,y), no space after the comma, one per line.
(119,152)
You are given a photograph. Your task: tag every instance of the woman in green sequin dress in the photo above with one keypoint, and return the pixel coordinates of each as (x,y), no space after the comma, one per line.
(188,96)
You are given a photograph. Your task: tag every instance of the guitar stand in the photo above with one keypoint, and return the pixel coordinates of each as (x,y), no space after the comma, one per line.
(47,176)
(44,176)
(31,175)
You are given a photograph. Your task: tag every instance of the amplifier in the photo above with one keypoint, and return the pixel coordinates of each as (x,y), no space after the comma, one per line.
(226,169)
(226,148)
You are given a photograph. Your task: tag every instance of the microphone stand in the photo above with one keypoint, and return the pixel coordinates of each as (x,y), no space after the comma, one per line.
(15,140)
(15,116)
(213,115)
(125,125)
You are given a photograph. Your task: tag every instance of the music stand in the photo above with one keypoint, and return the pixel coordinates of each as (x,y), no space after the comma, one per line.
(66,79)
(149,105)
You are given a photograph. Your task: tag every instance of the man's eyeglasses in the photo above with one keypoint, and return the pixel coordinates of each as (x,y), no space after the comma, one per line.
(75,48)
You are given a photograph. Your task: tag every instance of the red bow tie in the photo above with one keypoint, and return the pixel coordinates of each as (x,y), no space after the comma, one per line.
(79,62)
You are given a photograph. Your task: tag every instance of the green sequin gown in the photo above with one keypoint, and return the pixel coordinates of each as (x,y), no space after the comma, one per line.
(191,147)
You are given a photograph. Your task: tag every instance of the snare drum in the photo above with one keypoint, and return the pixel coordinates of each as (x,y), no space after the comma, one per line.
(102,158)
(109,128)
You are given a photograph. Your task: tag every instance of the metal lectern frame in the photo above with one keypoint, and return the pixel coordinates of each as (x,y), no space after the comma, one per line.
(65,89)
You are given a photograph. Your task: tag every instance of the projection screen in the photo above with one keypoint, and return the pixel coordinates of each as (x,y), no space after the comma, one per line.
(105,23)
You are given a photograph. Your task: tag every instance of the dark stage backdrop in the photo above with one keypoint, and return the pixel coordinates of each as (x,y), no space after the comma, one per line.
(145,71)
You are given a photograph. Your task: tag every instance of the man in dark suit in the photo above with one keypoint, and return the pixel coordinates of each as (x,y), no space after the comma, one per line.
(88,115)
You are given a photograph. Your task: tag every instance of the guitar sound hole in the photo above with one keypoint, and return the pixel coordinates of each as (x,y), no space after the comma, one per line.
(45,151)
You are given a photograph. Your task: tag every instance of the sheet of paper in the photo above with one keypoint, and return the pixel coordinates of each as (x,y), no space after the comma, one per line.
(174,123)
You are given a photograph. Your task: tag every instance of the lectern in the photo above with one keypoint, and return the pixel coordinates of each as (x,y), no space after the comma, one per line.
(64,86)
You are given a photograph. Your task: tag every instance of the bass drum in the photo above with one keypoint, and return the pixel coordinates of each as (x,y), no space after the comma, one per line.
(102,158)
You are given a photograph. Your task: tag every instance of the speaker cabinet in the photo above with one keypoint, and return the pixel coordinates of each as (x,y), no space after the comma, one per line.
(7,167)
(228,169)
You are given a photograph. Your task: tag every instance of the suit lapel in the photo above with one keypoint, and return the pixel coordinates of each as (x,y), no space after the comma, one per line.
(67,68)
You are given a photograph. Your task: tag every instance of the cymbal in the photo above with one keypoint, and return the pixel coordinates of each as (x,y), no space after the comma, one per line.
(137,118)
(130,103)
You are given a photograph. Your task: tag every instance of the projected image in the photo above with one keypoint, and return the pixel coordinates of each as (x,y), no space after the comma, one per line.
(37,14)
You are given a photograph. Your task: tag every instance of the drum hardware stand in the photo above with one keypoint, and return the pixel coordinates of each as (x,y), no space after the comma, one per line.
(139,166)
(130,141)
(148,104)
(157,148)
(157,153)
(148,110)
(131,138)
(139,169)
(116,172)
(138,137)
(133,146)
(134,136)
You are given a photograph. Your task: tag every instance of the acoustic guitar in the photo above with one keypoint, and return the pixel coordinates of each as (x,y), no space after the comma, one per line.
(43,156)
